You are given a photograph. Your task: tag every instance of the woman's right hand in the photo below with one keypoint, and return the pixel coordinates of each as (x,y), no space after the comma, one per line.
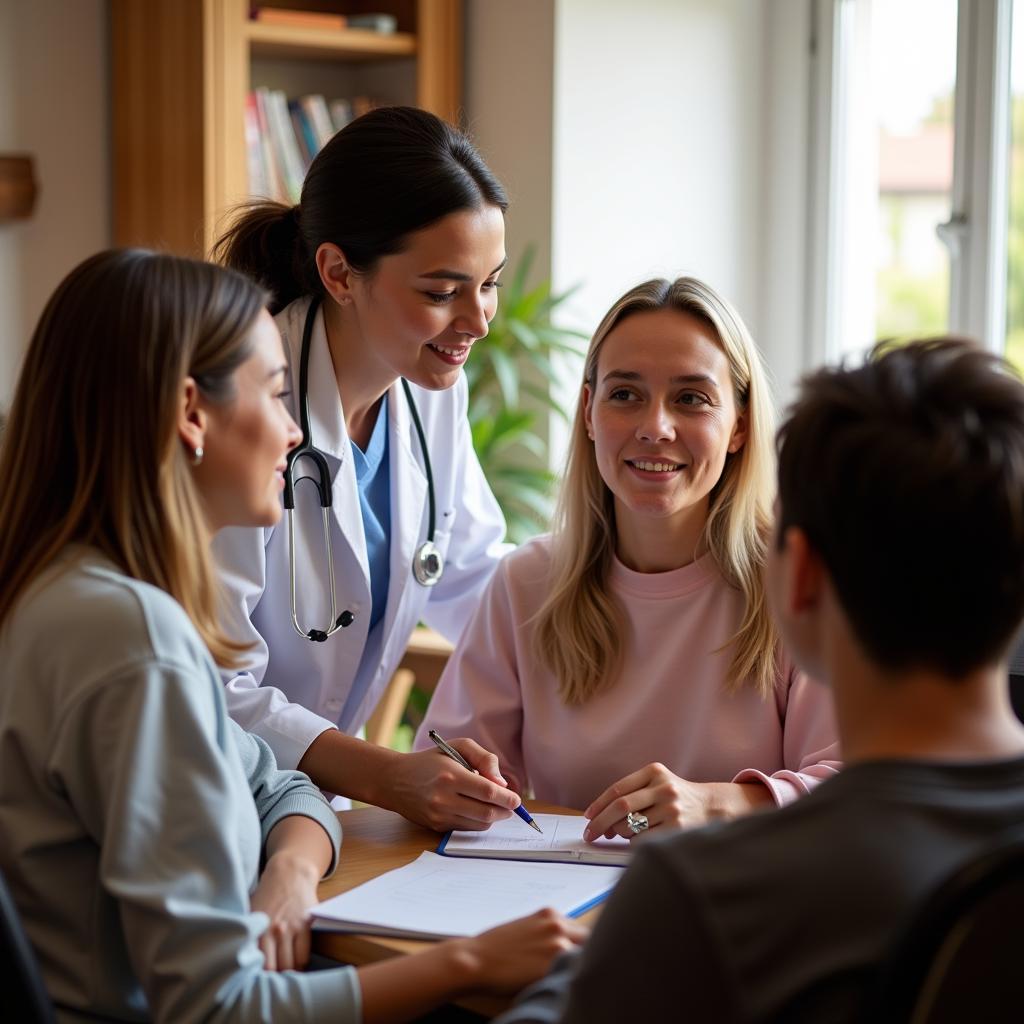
(433,790)
(507,959)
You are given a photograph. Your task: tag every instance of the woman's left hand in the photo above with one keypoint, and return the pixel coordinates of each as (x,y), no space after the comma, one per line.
(285,893)
(668,802)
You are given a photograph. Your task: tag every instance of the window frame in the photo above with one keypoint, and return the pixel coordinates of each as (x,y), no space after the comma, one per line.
(976,233)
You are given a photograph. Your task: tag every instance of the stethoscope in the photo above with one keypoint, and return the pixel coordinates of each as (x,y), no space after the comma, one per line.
(427,563)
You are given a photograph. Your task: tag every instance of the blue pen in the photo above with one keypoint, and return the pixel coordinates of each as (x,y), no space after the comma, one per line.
(446,748)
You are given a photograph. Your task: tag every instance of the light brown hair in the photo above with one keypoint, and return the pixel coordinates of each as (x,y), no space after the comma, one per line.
(91,438)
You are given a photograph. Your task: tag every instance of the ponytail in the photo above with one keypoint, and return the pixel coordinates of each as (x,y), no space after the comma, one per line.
(266,245)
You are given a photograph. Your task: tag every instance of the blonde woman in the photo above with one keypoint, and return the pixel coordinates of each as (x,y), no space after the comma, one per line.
(626,663)
(135,816)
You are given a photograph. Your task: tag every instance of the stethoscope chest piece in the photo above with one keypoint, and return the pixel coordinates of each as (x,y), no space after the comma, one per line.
(427,564)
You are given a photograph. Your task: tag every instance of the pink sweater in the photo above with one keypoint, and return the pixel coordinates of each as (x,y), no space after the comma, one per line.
(669,703)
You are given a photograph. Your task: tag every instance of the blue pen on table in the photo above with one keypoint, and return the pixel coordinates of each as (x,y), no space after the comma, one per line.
(446,748)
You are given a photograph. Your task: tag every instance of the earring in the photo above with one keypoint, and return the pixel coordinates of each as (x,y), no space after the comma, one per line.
(197,455)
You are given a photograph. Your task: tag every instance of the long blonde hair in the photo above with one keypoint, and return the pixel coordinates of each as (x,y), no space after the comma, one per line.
(577,626)
(91,452)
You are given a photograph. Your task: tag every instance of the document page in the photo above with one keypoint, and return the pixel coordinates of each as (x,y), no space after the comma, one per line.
(438,897)
(562,840)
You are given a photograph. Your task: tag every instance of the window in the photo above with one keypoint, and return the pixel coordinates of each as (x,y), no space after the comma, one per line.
(1015,233)
(914,228)
(911,128)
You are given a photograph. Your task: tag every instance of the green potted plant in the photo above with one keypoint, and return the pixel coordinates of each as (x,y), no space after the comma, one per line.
(515,360)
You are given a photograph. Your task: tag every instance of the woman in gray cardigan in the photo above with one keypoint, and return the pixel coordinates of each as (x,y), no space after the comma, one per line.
(134,815)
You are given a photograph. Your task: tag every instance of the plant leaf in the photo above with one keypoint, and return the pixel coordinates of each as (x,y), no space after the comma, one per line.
(519,357)
(524,334)
(545,398)
(507,374)
(523,270)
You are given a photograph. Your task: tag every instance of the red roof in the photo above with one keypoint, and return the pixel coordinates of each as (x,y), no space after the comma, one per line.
(921,163)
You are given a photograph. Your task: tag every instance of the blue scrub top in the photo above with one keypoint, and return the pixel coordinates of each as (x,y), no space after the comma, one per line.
(374,481)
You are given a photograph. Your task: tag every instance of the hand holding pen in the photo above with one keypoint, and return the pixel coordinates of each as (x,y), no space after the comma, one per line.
(446,748)
(433,792)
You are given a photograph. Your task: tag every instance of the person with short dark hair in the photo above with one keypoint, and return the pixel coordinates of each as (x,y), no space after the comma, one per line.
(896,577)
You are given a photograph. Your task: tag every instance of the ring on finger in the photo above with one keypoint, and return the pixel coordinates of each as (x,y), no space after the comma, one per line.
(637,822)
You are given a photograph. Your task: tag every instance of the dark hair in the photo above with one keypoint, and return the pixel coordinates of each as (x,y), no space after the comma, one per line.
(390,172)
(907,476)
(92,435)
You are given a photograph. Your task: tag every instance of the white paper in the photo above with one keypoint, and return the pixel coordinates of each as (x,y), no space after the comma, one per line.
(563,835)
(441,897)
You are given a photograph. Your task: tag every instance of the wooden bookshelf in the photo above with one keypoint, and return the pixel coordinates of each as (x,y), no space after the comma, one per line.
(181,70)
(315,44)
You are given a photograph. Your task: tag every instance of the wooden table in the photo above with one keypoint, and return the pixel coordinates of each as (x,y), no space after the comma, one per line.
(376,841)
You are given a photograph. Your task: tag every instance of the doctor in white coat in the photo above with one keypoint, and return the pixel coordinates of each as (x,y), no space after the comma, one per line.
(388,268)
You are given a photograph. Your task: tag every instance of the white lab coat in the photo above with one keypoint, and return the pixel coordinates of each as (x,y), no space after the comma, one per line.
(288,690)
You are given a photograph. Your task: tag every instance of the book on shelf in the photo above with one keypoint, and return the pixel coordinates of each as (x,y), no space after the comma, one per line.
(286,145)
(272,178)
(315,108)
(341,113)
(385,24)
(259,183)
(286,17)
(562,841)
(309,144)
(438,898)
(283,136)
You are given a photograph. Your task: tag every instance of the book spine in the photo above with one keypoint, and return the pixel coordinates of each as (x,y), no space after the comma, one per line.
(319,117)
(299,19)
(286,145)
(271,161)
(341,113)
(259,184)
(308,146)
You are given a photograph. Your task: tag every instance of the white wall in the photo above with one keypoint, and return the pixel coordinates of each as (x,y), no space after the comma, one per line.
(53,105)
(509,110)
(678,142)
(657,146)
(786,172)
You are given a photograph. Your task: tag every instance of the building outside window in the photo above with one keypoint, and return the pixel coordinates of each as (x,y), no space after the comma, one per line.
(918,213)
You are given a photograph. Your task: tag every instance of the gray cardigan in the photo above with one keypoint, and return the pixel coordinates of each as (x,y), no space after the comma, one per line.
(133,811)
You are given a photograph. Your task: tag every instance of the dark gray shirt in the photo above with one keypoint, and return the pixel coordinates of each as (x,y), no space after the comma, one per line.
(782,915)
